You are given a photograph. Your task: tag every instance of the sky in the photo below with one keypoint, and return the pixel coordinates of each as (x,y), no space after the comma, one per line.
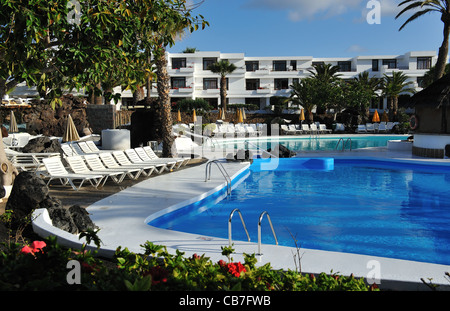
(317,28)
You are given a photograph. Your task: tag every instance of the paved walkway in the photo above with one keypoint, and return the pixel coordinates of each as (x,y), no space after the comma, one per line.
(123,217)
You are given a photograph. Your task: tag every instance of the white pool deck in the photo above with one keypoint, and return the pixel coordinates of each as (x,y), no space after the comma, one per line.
(122,219)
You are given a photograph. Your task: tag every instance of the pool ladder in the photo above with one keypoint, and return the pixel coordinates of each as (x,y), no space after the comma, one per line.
(221,169)
(344,144)
(261,217)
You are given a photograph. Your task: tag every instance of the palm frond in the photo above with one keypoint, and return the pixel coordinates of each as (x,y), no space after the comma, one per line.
(416,16)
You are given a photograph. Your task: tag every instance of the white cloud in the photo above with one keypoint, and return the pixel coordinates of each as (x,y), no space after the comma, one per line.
(306,9)
(356,48)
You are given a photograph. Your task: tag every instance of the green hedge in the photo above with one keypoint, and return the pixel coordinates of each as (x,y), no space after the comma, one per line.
(47,266)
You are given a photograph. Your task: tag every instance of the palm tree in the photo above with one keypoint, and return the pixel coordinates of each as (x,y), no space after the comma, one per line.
(429,76)
(428,6)
(370,84)
(325,72)
(392,87)
(223,68)
(303,94)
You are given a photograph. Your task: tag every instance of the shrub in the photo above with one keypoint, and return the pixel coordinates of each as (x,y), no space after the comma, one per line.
(44,266)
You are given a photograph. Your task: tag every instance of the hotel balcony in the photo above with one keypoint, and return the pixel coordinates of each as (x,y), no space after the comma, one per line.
(263,90)
(187,69)
(175,91)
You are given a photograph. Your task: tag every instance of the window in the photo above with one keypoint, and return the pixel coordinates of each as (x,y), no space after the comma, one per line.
(281,84)
(295,80)
(252,84)
(210,83)
(391,63)
(208,61)
(375,66)
(423,62)
(252,65)
(178,82)
(345,66)
(293,65)
(178,63)
(318,63)
(421,82)
(279,65)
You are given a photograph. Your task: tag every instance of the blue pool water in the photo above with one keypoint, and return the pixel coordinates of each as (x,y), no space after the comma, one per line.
(300,144)
(368,207)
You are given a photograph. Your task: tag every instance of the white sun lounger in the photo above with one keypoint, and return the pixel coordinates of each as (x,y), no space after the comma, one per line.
(361,129)
(305,128)
(153,156)
(78,166)
(370,128)
(95,164)
(56,170)
(170,164)
(110,162)
(122,159)
(323,129)
(135,159)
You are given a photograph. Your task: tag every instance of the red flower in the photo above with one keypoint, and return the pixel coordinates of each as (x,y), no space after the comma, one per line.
(36,246)
(26,250)
(222,263)
(159,275)
(235,268)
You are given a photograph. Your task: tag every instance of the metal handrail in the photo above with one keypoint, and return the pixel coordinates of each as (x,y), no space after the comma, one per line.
(222,170)
(339,141)
(344,144)
(229,225)
(259,231)
(350,143)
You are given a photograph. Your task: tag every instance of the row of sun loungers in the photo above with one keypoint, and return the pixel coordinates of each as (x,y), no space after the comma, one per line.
(238,130)
(292,129)
(381,127)
(83,162)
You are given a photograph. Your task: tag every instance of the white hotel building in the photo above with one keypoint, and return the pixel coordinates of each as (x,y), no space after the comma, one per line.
(256,79)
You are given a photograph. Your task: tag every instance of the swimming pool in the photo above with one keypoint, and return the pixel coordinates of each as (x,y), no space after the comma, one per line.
(372,207)
(322,143)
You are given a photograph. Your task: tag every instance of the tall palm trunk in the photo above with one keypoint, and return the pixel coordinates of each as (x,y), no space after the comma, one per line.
(149,84)
(223,92)
(149,87)
(391,107)
(443,50)
(164,102)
